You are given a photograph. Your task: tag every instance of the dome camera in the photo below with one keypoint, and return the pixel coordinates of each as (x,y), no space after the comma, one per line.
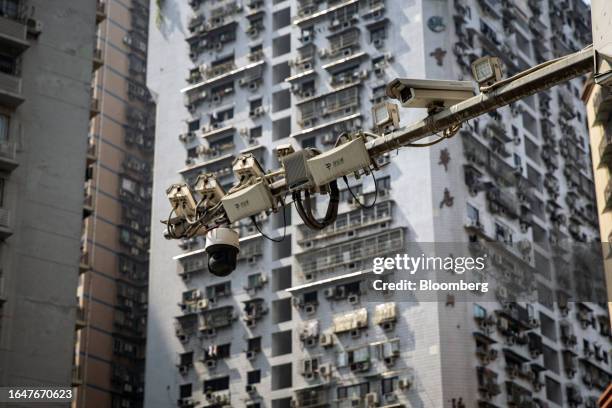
(222,247)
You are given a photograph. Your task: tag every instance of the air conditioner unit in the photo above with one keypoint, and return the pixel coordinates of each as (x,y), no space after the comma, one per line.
(250,389)
(326,340)
(203,304)
(250,355)
(35,26)
(353,299)
(329,292)
(211,363)
(371,399)
(328,139)
(183,370)
(404,384)
(310,308)
(325,370)
(390,397)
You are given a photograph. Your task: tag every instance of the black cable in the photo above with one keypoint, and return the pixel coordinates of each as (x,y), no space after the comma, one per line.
(367,207)
(306,213)
(284,225)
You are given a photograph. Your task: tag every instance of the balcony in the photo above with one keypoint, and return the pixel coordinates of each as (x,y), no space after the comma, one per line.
(7,156)
(88,201)
(94,107)
(10,90)
(308,13)
(13,35)
(311,397)
(334,258)
(608,196)
(77,375)
(602,100)
(80,318)
(92,153)
(84,265)
(100,11)
(214,75)
(5,229)
(98,59)
(3,297)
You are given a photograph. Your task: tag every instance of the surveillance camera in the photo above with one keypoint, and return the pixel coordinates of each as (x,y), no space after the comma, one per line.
(222,247)
(429,93)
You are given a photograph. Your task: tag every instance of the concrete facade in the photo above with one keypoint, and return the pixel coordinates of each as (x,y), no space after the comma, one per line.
(44,108)
(254,75)
(112,293)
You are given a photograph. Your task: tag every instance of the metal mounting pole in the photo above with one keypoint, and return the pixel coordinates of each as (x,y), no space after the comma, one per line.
(521,85)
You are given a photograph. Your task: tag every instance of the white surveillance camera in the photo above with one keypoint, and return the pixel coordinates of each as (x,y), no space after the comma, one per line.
(429,93)
(222,247)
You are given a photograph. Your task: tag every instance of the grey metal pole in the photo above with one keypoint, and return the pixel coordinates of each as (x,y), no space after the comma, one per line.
(521,85)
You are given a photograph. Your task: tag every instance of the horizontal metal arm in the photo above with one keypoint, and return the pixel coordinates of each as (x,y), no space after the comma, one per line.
(524,84)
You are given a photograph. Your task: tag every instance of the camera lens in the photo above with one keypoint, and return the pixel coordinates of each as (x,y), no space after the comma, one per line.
(222,262)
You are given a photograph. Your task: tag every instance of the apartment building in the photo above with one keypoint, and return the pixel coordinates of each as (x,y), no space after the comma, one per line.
(598,103)
(44,103)
(112,293)
(297,324)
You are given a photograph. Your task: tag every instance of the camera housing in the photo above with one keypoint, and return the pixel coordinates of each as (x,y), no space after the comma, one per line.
(222,247)
(425,93)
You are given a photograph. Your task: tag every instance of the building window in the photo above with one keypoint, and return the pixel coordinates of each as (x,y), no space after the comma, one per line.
(255,132)
(9,8)
(193,125)
(254,344)
(185,391)
(256,103)
(503,234)
(4,127)
(387,385)
(353,391)
(473,214)
(8,64)
(479,312)
(216,384)
(254,377)
(310,142)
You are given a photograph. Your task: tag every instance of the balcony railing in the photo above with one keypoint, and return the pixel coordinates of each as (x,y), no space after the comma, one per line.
(98,59)
(10,90)
(84,262)
(7,156)
(219,69)
(100,11)
(5,230)
(13,33)
(80,317)
(77,375)
(94,108)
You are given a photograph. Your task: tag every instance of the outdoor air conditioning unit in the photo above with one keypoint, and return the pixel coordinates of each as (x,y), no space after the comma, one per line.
(183,370)
(329,292)
(404,384)
(371,399)
(325,370)
(211,363)
(250,389)
(203,304)
(326,340)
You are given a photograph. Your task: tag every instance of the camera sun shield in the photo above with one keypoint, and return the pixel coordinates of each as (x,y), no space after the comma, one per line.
(339,161)
(248,201)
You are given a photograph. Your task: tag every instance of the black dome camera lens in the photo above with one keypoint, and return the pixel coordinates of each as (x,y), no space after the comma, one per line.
(222,261)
